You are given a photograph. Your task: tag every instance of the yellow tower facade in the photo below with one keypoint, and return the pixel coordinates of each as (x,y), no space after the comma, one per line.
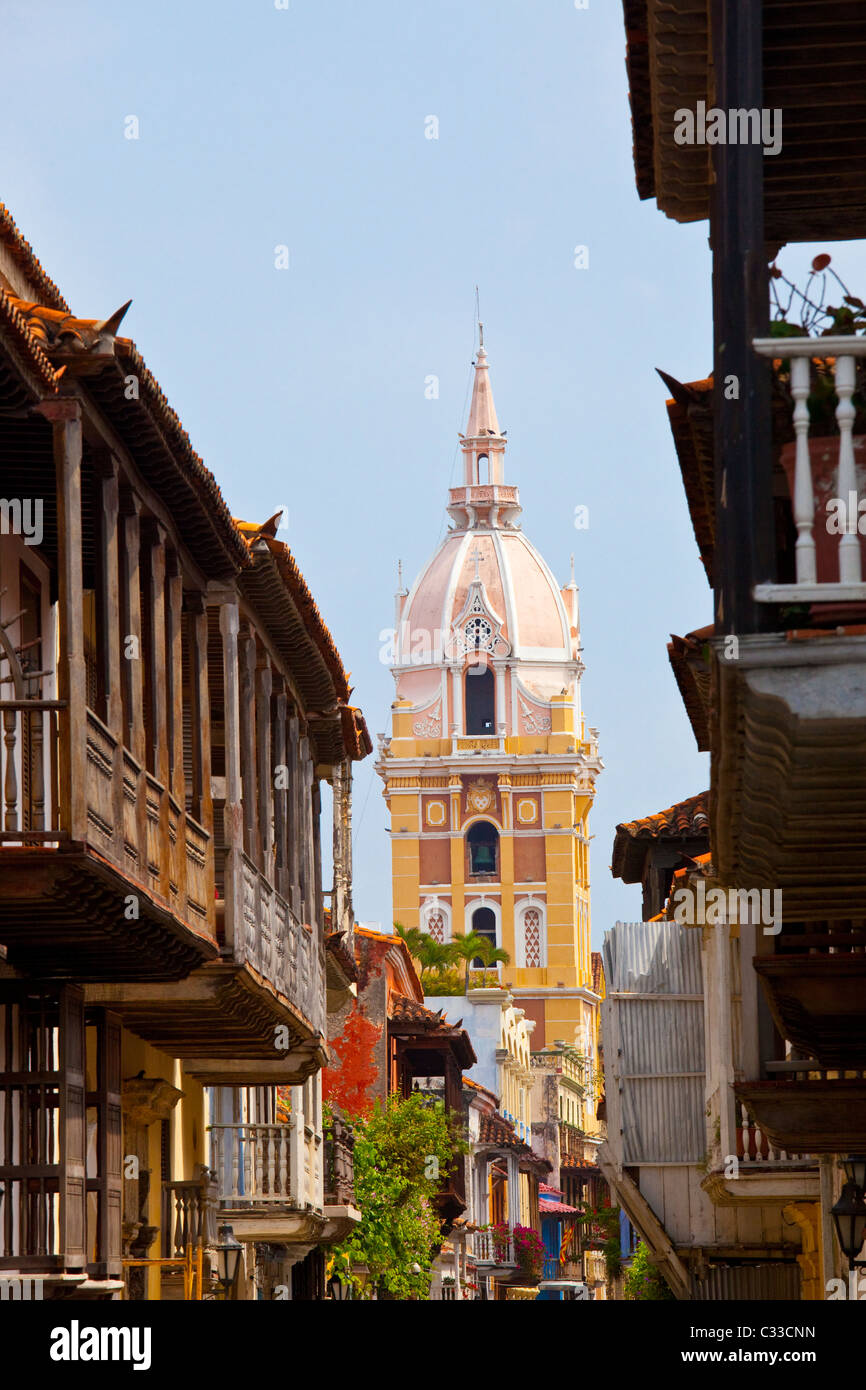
(489,771)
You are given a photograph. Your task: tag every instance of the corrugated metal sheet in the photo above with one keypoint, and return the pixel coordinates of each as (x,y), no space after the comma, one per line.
(654,1047)
(759,1283)
(653,958)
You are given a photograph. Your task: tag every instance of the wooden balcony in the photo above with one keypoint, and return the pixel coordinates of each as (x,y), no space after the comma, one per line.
(816,988)
(492,1252)
(816,1116)
(269,1181)
(767,1174)
(789,740)
(129,895)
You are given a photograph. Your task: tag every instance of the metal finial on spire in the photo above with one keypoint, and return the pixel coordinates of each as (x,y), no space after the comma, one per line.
(480,334)
(572,569)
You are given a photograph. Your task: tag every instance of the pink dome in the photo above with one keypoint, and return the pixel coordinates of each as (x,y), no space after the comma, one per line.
(518,599)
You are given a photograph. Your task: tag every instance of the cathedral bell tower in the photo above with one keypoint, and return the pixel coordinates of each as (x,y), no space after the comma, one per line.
(489,770)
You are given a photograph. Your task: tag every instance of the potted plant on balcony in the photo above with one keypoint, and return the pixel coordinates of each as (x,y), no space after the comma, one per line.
(529,1252)
(500,1233)
(819,319)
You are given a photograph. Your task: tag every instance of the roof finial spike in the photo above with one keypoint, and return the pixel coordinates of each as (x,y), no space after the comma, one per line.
(572,569)
(400,575)
(480,334)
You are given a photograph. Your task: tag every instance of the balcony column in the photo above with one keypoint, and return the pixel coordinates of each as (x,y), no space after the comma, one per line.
(513,1171)
(155,536)
(296,1147)
(295,821)
(316,815)
(264,682)
(174,702)
(742,436)
(109,538)
(65,418)
(174,675)
(233,832)
(247,656)
(281,791)
(719,1029)
(200,732)
(306,832)
(132,671)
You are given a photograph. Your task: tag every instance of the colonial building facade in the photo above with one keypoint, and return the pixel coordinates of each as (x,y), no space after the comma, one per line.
(489,769)
(171,703)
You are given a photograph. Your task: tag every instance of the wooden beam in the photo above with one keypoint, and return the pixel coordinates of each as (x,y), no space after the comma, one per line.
(745,537)
(65,418)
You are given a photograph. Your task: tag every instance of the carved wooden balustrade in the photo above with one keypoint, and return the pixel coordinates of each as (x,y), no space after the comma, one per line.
(28,771)
(192,1206)
(340,1164)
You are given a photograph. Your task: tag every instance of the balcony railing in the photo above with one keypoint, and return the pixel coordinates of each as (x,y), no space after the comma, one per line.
(753,1146)
(191,1214)
(490,1248)
(339,1150)
(28,771)
(278,946)
(147,833)
(254,1164)
(828,567)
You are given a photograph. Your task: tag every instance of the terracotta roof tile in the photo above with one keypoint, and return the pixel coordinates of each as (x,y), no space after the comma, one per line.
(482,1090)
(686,820)
(493,1129)
(25,342)
(26,259)
(689,817)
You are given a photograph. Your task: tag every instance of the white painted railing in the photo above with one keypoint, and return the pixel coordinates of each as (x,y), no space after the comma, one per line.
(844,350)
(254,1164)
(757,1147)
(489,1247)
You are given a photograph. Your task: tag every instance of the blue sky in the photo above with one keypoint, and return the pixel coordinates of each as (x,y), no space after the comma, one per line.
(305,127)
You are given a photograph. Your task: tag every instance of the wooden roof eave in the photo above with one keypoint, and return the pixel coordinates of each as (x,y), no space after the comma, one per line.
(169,465)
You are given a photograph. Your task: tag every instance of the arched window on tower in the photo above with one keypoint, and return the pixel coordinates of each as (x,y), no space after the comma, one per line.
(480,686)
(483,469)
(484,923)
(483,841)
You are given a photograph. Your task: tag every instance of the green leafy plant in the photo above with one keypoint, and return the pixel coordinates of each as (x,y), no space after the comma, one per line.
(643,1280)
(601,1225)
(400,1151)
(472,946)
(439,961)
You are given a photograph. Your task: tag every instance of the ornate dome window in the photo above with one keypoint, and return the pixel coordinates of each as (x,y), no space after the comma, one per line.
(479,634)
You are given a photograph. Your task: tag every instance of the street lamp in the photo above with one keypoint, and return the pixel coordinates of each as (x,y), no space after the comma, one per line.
(849,1215)
(338,1290)
(228,1252)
